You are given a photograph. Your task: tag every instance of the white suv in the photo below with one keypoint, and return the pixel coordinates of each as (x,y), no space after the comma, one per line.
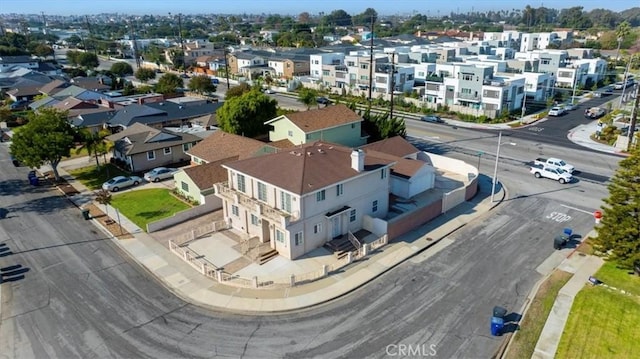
(556,111)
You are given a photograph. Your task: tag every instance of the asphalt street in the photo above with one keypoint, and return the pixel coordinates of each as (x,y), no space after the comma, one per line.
(78,296)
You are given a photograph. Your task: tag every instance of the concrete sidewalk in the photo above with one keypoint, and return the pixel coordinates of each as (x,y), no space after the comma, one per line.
(187,283)
(582,268)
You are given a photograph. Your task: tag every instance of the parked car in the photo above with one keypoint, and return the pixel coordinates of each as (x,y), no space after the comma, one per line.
(606,91)
(117,183)
(432,118)
(570,106)
(323,100)
(618,85)
(159,173)
(19,105)
(556,111)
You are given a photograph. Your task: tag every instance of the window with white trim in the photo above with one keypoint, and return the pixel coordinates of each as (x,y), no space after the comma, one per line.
(241,183)
(151,155)
(285,201)
(352,215)
(254,220)
(279,236)
(317,228)
(298,239)
(185,147)
(167,150)
(234,210)
(339,190)
(184,186)
(320,196)
(374,206)
(383,173)
(262,191)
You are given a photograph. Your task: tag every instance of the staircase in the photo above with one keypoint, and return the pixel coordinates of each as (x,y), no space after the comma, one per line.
(340,246)
(267,256)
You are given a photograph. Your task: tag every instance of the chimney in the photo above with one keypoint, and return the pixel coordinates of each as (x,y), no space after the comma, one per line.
(357,160)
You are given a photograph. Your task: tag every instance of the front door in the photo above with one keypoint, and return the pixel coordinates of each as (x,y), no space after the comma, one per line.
(336,228)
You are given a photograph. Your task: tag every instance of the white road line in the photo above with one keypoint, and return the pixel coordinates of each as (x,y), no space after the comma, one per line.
(577,209)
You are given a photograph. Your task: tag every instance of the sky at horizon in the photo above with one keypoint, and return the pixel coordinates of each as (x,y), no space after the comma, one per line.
(290,7)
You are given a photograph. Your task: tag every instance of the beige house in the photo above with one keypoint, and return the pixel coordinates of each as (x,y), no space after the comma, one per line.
(298,200)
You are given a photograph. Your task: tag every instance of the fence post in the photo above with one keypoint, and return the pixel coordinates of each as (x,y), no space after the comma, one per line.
(365,250)
(255,282)
(292,282)
(325,270)
(349,257)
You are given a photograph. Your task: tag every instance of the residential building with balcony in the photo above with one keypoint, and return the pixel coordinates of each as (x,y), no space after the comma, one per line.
(298,200)
(319,62)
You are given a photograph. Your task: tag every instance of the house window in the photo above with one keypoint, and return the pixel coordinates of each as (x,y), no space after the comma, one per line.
(364,77)
(353,125)
(320,196)
(325,73)
(241,184)
(234,210)
(185,147)
(290,133)
(467,77)
(184,186)
(464,90)
(262,191)
(285,201)
(167,150)
(317,228)
(151,155)
(364,66)
(254,220)
(351,63)
(352,215)
(339,190)
(383,173)
(374,206)
(297,239)
(279,236)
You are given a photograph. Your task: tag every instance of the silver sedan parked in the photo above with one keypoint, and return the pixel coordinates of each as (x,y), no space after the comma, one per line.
(159,173)
(117,183)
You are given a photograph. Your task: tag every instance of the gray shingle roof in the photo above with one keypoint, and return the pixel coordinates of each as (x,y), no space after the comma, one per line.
(160,112)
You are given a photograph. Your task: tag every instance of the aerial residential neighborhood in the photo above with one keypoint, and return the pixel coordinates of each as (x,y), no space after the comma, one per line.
(352,180)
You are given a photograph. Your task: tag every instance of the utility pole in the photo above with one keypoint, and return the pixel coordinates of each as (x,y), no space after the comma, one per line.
(634,117)
(371,62)
(93,42)
(393,83)
(624,83)
(226,66)
(134,43)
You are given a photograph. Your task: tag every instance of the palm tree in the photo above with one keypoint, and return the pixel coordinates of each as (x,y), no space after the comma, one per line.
(94,142)
(622,31)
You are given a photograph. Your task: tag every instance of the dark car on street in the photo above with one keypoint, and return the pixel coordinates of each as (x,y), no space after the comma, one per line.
(323,100)
(432,119)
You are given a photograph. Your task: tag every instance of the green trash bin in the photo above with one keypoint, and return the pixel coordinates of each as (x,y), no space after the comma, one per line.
(85,214)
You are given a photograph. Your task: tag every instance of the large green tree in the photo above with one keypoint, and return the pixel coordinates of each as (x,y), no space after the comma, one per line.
(94,142)
(45,139)
(201,84)
(246,114)
(145,74)
(237,91)
(622,31)
(619,229)
(307,96)
(122,69)
(169,84)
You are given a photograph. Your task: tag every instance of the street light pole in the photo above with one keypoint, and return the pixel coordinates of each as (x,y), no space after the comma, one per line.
(495,168)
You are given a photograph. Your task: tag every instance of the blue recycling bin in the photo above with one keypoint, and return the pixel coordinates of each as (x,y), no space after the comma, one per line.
(34,181)
(497,324)
(567,232)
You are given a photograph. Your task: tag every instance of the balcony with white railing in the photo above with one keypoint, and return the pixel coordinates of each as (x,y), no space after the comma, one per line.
(263,209)
(469,97)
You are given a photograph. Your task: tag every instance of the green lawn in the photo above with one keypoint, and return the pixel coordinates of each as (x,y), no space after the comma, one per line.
(602,324)
(93,179)
(147,205)
(532,323)
(619,278)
